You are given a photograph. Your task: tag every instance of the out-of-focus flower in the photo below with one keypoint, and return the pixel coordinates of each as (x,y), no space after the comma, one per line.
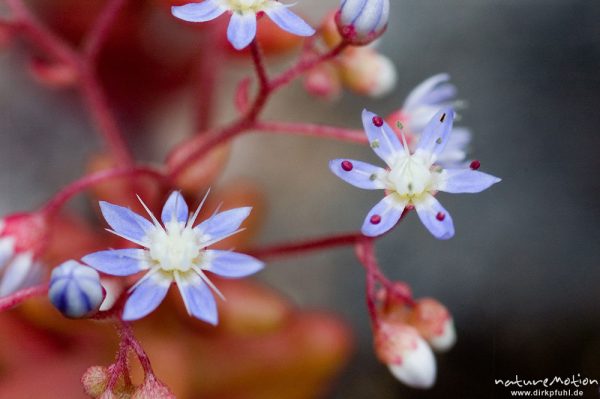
(324,82)
(242,26)
(174,251)
(75,289)
(423,102)
(406,354)
(411,179)
(23,237)
(362,21)
(368,73)
(434,323)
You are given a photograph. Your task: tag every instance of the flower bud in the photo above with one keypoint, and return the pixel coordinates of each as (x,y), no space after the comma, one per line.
(406,354)
(323,82)
(56,75)
(152,388)
(362,21)
(434,323)
(23,237)
(75,289)
(368,73)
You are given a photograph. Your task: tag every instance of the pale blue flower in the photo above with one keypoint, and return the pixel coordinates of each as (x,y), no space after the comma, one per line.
(411,179)
(422,103)
(75,289)
(19,267)
(242,26)
(174,251)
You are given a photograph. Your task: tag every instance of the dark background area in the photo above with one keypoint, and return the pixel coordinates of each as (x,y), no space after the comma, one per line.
(520,277)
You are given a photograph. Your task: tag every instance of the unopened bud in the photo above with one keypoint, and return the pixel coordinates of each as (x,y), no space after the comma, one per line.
(434,323)
(362,21)
(152,389)
(368,73)
(323,82)
(95,380)
(75,289)
(406,354)
(23,237)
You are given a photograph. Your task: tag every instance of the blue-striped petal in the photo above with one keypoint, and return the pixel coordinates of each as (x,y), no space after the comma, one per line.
(241,30)
(15,274)
(231,264)
(359,174)
(118,262)
(382,138)
(459,181)
(288,21)
(198,299)
(198,12)
(146,297)
(175,209)
(125,222)
(383,216)
(437,219)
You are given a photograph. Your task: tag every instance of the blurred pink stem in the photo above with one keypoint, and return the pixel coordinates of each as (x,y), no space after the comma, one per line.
(10,301)
(97,36)
(62,197)
(308,129)
(284,250)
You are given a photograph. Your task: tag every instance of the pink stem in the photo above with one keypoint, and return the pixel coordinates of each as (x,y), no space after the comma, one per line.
(307,129)
(99,33)
(62,197)
(316,244)
(10,301)
(127,332)
(248,121)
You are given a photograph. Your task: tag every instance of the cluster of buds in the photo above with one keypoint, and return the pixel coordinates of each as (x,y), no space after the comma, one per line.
(23,238)
(406,336)
(361,69)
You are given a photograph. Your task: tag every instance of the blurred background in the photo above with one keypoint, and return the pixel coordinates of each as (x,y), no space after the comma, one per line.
(520,277)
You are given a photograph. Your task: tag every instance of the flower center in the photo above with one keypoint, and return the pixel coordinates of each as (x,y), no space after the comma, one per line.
(175,248)
(411,176)
(243,6)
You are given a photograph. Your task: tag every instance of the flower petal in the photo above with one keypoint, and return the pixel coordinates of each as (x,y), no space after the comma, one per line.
(15,274)
(436,133)
(175,209)
(359,174)
(288,21)
(422,92)
(382,138)
(467,181)
(437,219)
(7,246)
(118,262)
(197,297)
(125,222)
(198,12)
(241,30)
(231,264)
(456,149)
(383,216)
(146,297)
(223,223)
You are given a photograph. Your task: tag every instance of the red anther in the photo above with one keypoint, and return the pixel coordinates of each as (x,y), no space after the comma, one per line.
(375,219)
(475,165)
(378,121)
(410,207)
(348,31)
(347,166)
(440,216)
(260,14)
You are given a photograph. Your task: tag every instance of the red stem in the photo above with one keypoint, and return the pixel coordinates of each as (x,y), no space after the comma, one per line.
(10,301)
(97,36)
(307,129)
(248,121)
(62,197)
(282,250)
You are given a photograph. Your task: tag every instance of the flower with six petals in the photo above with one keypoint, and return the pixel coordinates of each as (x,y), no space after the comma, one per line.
(173,251)
(411,179)
(242,26)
